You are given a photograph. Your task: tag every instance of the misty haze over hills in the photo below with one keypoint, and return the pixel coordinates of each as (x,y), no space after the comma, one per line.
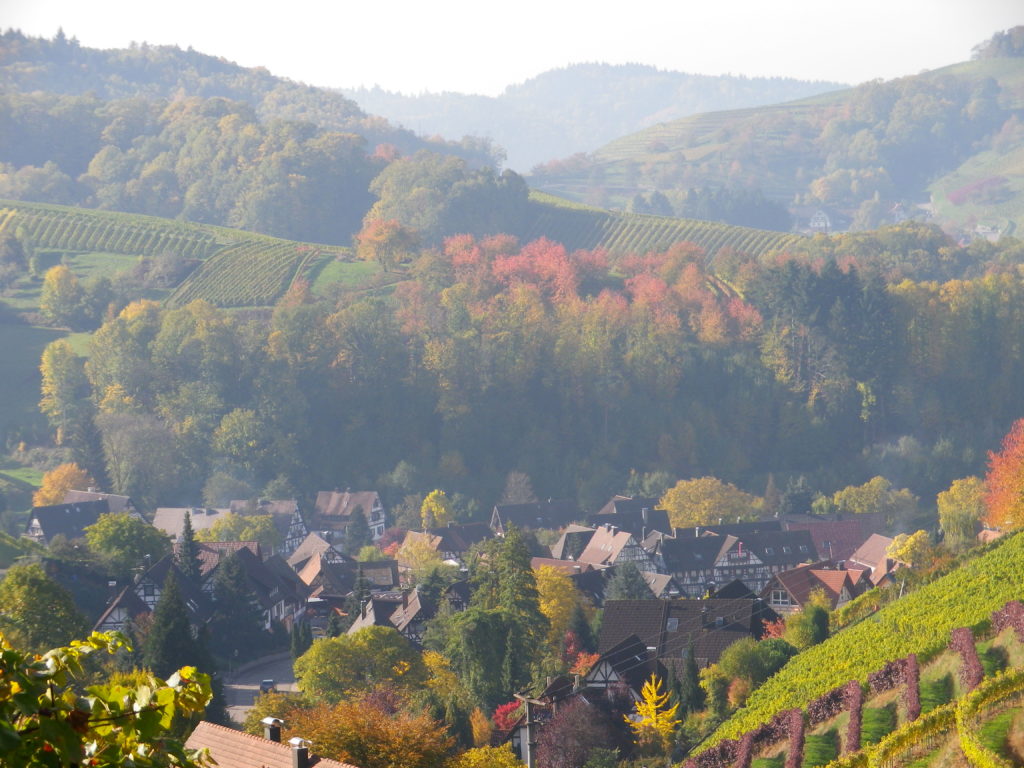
(578,108)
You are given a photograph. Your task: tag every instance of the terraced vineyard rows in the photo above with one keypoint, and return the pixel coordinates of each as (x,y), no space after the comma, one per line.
(578,227)
(252,273)
(73,229)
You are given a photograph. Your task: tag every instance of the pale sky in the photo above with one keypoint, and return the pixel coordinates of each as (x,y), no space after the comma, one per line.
(474,46)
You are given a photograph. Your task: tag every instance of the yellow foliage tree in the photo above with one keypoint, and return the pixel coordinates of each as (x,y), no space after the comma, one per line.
(436,510)
(655,722)
(482,727)
(914,550)
(58,481)
(486,757)
(558,599)
(702,501)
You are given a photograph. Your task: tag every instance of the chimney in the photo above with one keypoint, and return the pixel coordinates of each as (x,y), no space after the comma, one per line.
(643,514)
(272,728)
(696,531)
(300,752)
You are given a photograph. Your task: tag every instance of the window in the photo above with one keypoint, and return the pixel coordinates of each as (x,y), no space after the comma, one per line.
(780,597)
(803,547)
(769,551)
(149,590)
(672,625)
(786,550)
(719,621)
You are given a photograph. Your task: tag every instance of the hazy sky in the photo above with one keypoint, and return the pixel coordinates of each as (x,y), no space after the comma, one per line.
(480,47)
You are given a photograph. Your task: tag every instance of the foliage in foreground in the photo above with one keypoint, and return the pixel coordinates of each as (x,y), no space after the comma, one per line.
(45,721)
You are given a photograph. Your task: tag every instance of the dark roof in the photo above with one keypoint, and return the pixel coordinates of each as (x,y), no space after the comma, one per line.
(572,542)
(836,539)
(457,537)
(212,552)
(553,513)
(117,503)
(685,553)
(780,547)
(69,520)
(733,529)
(639,520)
(734,589)
(670,627)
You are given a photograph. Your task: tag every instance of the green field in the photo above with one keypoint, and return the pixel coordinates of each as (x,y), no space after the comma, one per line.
(19,383)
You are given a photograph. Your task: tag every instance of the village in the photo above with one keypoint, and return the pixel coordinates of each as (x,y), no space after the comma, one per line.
(664,593)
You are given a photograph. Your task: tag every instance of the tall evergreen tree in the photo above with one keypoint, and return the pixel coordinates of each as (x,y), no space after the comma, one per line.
(691,695)
(237,621)
(170,644)
(627,583)
(581,628)
(358,533)
(188,552)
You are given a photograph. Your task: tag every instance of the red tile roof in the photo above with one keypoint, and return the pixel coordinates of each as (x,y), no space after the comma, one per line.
(236,749)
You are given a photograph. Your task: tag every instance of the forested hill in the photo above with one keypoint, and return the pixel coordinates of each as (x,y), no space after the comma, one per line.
(164,73)
(578,108)
(951,136)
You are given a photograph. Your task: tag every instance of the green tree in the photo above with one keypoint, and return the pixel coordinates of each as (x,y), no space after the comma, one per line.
(170,644)
(236,624)
(627,583)
(188,552)
(341,667)
(64,388)
(36,612)
(49,718)
(358,533)
(961,509)
(232,527)
(125,542)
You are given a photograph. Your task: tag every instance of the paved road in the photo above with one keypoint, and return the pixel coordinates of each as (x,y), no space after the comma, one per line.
(242,688)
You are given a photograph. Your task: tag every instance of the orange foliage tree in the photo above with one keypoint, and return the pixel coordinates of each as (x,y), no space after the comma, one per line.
(362,732)
(1004,498)
(58,481)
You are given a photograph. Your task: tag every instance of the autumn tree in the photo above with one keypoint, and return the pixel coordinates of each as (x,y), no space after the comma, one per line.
(37,613)
(655,723)
(705,501)
(1004,497)
(558,598)
(60,301)
(914,549)
(486,757)
(58,481)
(877,495)
(961,509)
(370,733)
(436,510)
(385,241)
(576,730)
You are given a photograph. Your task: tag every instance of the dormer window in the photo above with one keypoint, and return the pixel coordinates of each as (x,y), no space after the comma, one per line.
(786,550)
(769,551)
(672,625)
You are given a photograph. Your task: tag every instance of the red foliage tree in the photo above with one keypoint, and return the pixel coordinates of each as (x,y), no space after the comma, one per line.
(1004,499)
(506,715)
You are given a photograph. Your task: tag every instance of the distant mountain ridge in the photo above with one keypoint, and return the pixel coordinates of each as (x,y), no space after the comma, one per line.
(870,154)
(578,108)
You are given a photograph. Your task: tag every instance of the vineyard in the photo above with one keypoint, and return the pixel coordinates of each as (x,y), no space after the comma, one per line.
(74,229)
(919,623)
(235,269)
(581,228)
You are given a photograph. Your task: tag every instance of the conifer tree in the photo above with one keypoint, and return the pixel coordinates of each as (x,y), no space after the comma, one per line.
(691,695)
(627,583)
(188,552)
(237,622)
(170,644)
(358,534)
